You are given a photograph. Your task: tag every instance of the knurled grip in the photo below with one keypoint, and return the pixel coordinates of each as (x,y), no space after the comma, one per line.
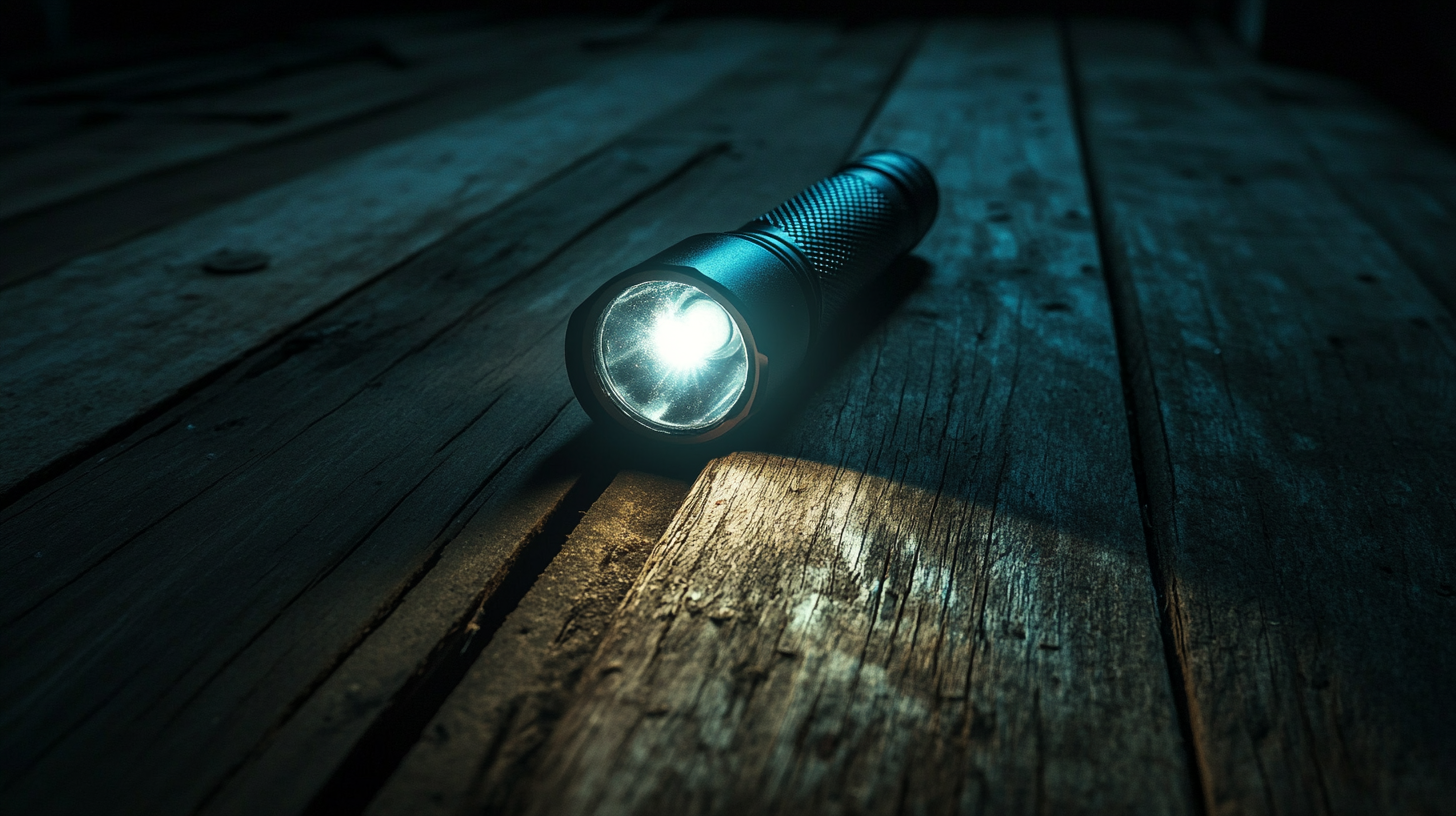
(853,224)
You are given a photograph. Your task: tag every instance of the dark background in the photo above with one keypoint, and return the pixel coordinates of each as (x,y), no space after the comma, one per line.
(1403,50)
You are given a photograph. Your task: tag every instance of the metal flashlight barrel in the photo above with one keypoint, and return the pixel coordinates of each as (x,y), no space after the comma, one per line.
(637,359)
(850,226)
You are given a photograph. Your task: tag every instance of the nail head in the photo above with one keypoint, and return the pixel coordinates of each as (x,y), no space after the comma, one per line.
(236,261)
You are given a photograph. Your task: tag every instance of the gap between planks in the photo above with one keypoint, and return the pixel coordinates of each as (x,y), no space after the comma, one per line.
(1134,376)
(321,497)
(168,128)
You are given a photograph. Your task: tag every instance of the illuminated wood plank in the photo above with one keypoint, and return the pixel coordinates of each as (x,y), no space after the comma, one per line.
(800,117)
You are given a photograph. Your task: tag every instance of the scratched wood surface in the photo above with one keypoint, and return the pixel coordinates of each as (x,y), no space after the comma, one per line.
(232,551)
(483,746)
(802,114)
(1294,385)
(939,599)
(1128,493)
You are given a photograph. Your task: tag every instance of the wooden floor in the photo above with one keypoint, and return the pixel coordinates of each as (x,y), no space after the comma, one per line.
(1132,491)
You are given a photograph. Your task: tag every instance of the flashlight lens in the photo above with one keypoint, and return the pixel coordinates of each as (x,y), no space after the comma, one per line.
(671,357)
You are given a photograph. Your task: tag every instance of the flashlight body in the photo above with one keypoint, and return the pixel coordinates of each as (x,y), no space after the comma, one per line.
(780,277)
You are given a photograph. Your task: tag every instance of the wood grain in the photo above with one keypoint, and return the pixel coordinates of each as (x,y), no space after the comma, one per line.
(800,117)
(789,116)
(154,127)
(480,749)
(1400,179)
(1294,387)
(112,337)
(940,602)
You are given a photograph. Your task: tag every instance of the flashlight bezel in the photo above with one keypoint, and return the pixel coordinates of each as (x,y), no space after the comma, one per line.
(582,338)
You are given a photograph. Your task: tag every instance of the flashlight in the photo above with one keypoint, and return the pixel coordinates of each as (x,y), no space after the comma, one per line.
(688,344)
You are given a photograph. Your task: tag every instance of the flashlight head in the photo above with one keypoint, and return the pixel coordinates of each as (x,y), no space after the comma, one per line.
(678,348)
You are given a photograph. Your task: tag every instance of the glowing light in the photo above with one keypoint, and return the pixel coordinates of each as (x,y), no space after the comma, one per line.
(671,357)
(686,338)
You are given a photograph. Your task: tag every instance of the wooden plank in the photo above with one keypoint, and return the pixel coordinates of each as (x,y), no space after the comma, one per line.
(480,749)
(149,138)
(790,117)
(156,129)
(375,473)
(116,336)
(1399,178)
(41,241)
(941,601)
(1294,389)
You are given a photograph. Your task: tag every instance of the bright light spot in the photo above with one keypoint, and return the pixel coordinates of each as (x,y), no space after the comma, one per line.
(686,338)
(670,356)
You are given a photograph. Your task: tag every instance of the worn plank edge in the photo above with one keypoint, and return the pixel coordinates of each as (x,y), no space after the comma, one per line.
(1135,370)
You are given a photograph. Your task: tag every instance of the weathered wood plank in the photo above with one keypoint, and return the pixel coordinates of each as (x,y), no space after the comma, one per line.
(481,747)
(112,337)
(194,583)
(790,117)
(152,138)
(164,129)
(941,602)
(38,242)
(1294,388)
(400,443)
